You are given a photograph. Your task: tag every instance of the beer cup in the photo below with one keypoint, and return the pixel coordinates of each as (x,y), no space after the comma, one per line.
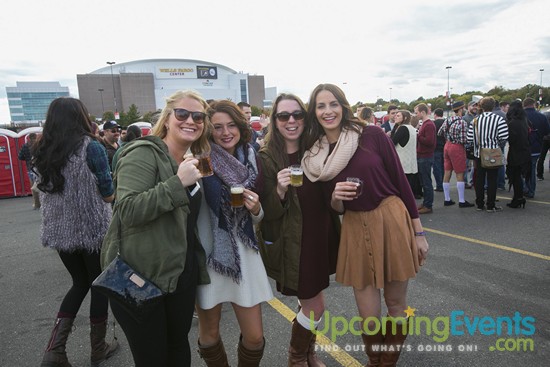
(296,175)
(359,189)
(237,197)
(204,165)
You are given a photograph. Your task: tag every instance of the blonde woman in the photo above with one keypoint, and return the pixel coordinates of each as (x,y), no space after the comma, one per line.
(154,228)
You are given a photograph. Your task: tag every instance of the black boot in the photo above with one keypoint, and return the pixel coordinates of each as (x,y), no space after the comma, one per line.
(516,203)
(101,350)
(55,355)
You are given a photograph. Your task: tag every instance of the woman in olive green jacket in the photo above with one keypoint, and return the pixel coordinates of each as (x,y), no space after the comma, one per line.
(299,233)
(154,228)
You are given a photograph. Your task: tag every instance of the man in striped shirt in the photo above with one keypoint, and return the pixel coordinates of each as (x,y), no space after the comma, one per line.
(488,130)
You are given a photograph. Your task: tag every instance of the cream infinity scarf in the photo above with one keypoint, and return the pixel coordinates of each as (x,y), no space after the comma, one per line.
(318,165)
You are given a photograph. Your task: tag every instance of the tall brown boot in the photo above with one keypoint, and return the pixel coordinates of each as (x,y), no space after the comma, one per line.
(247,357)
(312,359)
(55,355)
(214,355)
(394,342)
(375,340)
(300,342)
(101,350)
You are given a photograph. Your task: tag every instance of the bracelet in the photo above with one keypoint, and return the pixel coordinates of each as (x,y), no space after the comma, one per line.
(423,233)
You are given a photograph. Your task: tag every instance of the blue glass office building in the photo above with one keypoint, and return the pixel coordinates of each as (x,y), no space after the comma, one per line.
(29,101)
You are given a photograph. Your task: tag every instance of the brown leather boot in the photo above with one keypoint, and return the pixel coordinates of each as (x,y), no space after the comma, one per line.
(247,357)
(300,342)
(55,355)
(393,342)
(101,350)
(312,359)
(374,355)
(214,355)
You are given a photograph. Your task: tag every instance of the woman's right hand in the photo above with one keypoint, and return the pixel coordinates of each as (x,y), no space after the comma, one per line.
(188,172)
(283,180)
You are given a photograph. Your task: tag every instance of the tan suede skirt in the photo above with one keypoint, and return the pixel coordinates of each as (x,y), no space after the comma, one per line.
(377,246)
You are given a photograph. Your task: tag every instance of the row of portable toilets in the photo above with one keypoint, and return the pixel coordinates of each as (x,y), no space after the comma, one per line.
(14,180)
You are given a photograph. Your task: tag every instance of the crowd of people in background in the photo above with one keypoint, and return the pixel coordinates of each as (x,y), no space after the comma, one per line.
(182,229)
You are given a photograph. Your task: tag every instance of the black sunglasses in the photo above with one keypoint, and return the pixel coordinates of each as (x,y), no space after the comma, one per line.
(181,114)
(115,130)
(285,116)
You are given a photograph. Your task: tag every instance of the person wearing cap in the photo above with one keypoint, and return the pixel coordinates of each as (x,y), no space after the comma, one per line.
(111,131)
(472,112)
(455,131)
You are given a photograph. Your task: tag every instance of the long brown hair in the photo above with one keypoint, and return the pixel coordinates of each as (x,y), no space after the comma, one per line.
(349,121)
(274,141)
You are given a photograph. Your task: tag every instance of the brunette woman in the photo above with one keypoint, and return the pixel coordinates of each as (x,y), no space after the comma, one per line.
(519,153)
(227,233)
(382,242)
(76,189)
(299,233)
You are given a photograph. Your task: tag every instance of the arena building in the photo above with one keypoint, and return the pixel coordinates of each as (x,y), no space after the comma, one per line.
(146,83)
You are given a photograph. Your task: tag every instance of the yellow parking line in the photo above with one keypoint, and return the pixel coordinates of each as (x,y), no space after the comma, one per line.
(337,353)
(490,244)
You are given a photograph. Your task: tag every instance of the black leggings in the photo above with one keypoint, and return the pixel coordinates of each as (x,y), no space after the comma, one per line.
(84,268)
(162,339)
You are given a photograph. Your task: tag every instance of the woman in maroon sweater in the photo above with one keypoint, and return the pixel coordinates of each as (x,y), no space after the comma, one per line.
(382,242)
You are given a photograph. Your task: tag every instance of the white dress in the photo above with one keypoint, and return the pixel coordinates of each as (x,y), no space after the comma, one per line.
(254,287)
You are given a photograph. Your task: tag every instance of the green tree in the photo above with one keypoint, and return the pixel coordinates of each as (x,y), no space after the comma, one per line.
(131,116)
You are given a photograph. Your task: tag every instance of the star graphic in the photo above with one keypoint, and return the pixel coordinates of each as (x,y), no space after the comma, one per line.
(410,311)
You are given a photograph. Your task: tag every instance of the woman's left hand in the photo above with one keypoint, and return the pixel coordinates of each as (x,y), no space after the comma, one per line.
(252,201)
(423,248)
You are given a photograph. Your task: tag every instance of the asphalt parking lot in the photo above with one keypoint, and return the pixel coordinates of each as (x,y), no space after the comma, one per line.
(484,270)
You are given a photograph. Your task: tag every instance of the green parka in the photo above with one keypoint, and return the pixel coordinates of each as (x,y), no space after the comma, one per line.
(280,231)
(149,223)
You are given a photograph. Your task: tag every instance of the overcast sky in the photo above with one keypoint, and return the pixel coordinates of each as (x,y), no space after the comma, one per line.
(366,47)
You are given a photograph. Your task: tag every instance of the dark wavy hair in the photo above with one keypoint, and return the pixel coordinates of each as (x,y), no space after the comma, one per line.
(236,115)
(274,141)
(349,121)
(67,123)
(515,112)
(132,132)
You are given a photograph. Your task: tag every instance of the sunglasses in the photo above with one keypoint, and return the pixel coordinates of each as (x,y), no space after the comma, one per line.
(285,116)
(181,114)
(114,131)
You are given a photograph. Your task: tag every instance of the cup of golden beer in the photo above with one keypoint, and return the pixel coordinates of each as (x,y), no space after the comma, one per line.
(237,197)
(296,175)
(359,183)
(205,164)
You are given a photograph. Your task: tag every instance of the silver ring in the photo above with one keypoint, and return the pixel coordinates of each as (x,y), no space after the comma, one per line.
(251,197)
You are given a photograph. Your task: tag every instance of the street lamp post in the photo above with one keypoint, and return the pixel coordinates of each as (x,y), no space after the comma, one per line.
(540,90)
(102,106)
(390,95)
(448,90)
(111,63)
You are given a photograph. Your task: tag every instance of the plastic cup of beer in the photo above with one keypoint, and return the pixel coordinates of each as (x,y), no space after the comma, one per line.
(205,164)
(296,175)
(359,189)
(237,197)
